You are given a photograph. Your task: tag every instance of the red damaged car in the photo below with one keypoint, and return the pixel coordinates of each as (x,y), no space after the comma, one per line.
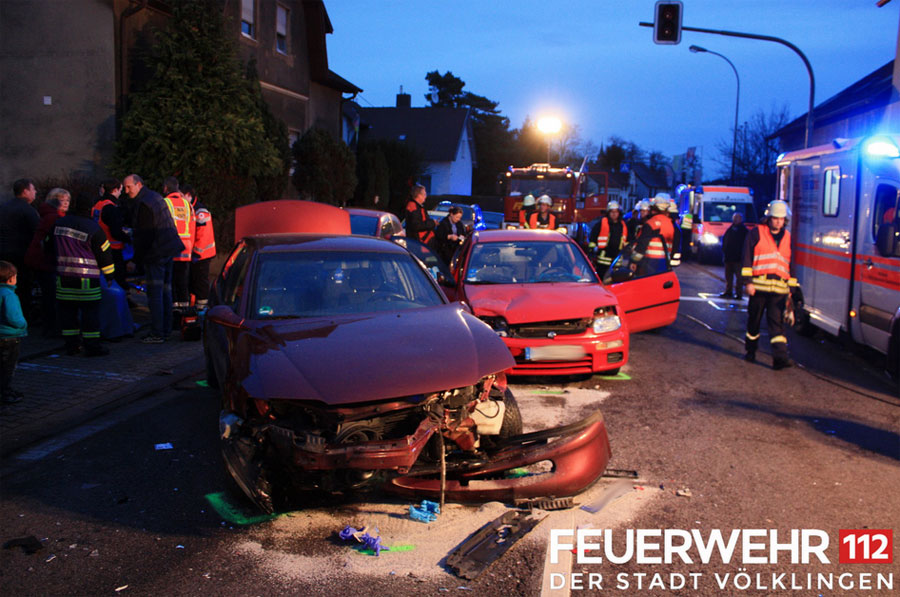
(343,366)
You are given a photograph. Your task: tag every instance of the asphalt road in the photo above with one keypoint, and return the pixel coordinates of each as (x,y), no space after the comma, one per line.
(813,447)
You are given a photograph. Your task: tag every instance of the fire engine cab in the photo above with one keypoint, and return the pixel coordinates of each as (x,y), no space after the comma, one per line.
(846,238)
(576,198)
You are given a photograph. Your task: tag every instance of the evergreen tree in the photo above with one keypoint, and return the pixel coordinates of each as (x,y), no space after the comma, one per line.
(325,168)
(198,118)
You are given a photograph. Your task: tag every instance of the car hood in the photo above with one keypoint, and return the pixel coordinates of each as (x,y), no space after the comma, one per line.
(524,303)
(353,359)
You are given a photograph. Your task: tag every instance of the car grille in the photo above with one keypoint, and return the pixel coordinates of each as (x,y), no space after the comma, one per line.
(542,328)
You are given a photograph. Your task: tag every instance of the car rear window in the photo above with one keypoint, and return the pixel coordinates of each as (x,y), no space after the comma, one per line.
(528,262)
(323,283)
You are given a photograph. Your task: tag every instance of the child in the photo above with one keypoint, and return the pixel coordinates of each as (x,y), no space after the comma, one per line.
(12,327)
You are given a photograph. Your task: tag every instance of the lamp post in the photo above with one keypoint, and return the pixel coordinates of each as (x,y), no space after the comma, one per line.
(549,125)
(737,101)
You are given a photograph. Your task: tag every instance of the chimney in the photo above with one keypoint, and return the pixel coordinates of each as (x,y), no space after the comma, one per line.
(404,100)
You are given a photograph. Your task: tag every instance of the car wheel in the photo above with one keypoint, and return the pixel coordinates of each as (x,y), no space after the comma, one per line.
(512,417)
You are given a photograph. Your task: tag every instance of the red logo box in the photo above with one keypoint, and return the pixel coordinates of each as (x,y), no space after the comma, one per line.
(866,546)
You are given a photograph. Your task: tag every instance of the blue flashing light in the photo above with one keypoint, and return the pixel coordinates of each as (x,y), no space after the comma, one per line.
(882,147)
(780,156)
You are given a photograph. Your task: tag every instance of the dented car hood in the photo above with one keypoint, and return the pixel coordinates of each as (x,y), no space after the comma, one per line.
(360,358)
(522,303)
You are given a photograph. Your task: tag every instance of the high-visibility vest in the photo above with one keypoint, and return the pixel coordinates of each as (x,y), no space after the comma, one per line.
(183,216)
(424,236)
(524,213)
(96,212)
(661,224)
(204,239)
(770,270)
(535,222)
(603,237)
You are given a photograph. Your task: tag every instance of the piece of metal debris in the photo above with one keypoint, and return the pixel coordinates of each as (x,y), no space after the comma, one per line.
(622,473)
(546,503)
(490,542)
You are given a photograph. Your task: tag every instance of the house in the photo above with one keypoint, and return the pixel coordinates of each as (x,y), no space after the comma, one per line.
(68,67)
(619,189)
(443,136)
(865,107)
(646,182)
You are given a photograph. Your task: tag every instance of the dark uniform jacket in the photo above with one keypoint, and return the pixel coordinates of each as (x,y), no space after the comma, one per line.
(444,245)
(733,242)
(82,256)
(18,221)
(155,236)
(418,225)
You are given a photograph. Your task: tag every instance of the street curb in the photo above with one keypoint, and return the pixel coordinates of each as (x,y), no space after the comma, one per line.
(37,432)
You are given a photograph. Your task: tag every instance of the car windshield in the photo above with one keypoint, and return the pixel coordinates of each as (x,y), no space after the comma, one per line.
(723,211)
(555,187)
(323,283)
(364,224)
(528,262)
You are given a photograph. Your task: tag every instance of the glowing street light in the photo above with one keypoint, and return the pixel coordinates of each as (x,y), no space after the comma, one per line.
(549,125)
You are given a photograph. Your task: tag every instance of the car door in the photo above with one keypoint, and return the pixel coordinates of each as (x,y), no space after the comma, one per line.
(648,297)
(227,290)
(435,265)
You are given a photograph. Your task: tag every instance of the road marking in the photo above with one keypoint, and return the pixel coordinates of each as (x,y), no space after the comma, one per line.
(716,302)
(562,567)
(89,374)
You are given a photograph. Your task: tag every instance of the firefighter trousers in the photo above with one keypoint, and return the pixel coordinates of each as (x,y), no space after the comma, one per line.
(80,318)
(773,306)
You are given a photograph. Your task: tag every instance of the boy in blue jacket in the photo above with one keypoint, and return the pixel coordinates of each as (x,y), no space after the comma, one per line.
(13,328)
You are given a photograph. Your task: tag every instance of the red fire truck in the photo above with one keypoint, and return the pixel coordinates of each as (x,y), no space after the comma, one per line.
(577,196)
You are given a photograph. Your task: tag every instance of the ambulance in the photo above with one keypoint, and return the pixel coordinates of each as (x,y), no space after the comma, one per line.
(845,236)
(708,212)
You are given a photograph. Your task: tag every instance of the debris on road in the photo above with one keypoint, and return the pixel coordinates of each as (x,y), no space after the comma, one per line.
(30,544)
(165,446)
(426,512)
(362,536)
(547,503)
(683,492)
(621,473)
(609,495)
(122,588)
(490,542)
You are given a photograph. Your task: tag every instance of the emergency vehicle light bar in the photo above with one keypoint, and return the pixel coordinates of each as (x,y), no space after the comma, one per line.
(882,147)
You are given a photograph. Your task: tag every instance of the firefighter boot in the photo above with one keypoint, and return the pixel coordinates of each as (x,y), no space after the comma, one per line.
(780,358)
(750,344)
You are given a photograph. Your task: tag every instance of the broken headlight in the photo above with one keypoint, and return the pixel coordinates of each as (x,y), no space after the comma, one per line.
(498,324)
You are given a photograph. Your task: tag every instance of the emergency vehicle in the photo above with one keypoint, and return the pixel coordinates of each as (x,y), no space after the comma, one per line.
(844,231)
(709,210)
(576,197)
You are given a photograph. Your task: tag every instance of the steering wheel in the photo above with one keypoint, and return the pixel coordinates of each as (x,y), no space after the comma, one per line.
(557,274)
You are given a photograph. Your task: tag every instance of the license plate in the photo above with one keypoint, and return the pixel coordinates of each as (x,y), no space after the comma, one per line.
(562,352)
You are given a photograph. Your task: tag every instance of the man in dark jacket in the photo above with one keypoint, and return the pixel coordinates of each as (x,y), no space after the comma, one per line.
(156,243)
(82,256)
(449,234)
(733,251)
(418,224)
(18,221)
(108,213)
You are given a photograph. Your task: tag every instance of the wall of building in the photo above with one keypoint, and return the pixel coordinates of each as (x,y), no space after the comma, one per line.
(461,168)
(57,97)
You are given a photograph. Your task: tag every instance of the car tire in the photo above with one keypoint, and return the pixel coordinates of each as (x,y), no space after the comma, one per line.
(512,417)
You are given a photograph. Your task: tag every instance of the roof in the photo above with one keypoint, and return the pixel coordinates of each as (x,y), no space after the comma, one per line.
(649,177)
(519,234)
(436,132)
(619,180)
(318,25)
(870,92)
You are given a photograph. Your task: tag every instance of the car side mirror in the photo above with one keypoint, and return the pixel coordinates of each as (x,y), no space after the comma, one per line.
(888,240)
(225,316)
(445,281)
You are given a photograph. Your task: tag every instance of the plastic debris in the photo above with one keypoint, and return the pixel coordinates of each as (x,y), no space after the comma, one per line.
(683,492)
(179,547)
(491,541)
(51,558)
(361,536)
(95,553)
(545,503)
(609,495)
(202,383)
(165,446)
(425,512)
(29,544)
(122,588)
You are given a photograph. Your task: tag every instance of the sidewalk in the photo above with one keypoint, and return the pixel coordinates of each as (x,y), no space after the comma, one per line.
(64,391)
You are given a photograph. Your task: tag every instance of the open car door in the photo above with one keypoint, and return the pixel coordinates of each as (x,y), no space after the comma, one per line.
(434,264)
(648,291)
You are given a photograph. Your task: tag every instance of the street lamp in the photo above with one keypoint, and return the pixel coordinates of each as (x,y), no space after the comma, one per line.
(737,101)
(549,125)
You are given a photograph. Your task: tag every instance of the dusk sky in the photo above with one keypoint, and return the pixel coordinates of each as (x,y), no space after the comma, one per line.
(589,62)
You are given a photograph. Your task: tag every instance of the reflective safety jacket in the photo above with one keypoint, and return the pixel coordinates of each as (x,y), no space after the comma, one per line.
(97,213)
(418,224)
(524,215)
(657,234)
(612,237)
(767,262)
(535,220)
(82,254)
(183,216)
(204,239)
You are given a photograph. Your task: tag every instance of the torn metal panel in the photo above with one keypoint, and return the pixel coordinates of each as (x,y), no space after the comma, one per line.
(491,541)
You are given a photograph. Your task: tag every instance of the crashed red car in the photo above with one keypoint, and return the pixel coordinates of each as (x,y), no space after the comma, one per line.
(344,367)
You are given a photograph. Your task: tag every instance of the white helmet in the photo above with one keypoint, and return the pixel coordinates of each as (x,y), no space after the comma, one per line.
(643,204)
(778,209)
(673,207)
(528,201)
(545,199)
(665,196)
(661,202)
(613,205)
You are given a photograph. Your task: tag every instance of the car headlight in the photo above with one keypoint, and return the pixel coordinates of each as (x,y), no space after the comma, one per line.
(498,324)
(605,320)
(709,238)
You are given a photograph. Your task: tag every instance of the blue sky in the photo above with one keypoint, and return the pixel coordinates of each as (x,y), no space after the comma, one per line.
(589,62)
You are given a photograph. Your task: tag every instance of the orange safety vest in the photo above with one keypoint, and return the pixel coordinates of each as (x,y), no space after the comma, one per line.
(185,223)
(663,225)
(769,258)
(96,211)
(603,237)
(424,236)
(533,221)
(204,239)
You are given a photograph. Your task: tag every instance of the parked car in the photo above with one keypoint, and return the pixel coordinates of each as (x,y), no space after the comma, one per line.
(344,367)
(372,222)
(493,220)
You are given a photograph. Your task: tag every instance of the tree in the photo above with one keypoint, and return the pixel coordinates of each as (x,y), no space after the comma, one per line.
(373,175)
(198,118)
(325,168)
(755,152)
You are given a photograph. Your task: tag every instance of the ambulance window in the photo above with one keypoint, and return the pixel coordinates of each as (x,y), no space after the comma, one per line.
(885,207)
(831,191)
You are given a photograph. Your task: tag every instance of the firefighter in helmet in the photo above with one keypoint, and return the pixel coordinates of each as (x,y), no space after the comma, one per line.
(675,257)
(542,218)
(526,211)
(766,274)
(613,235)
(654,241)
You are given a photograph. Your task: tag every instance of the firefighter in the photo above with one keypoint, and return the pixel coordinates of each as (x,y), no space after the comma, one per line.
(82,256)
(108,213)
(639,215)
(766,274)
(418,225)
(542,218)
(654,239)
(203,249)
(612,237)
(526,211)
(675,258)
(185,223)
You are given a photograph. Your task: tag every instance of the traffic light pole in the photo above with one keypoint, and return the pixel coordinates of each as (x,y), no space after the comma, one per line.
(784,42)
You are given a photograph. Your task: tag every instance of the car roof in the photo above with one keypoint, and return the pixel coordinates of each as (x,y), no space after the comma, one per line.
(518,234)
(365,211)
(272,243)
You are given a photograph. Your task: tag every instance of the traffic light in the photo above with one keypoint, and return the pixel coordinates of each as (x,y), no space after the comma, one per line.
(667,22)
